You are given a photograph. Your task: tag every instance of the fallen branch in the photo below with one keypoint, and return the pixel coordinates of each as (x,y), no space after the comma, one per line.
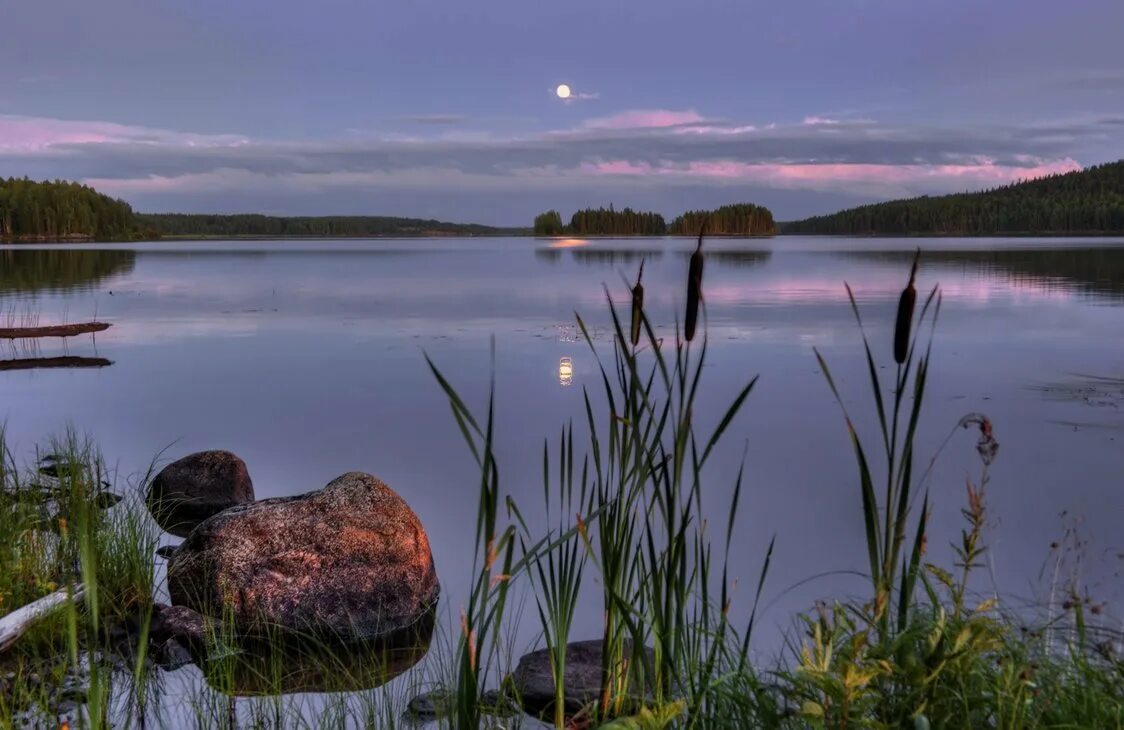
(70,361)
(17,623)
(54,330)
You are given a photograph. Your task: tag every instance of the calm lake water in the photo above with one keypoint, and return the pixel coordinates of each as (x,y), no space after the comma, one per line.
(306,359)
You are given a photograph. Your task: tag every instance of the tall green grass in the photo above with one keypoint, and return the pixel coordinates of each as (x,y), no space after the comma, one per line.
(637,520)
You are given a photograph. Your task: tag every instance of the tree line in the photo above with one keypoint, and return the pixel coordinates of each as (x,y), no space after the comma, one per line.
(743,219)
(1089,201)
(184,224)
(62,210)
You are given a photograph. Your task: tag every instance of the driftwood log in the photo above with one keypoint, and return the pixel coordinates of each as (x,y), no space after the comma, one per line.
(69,361)
(53,330)
(16,623)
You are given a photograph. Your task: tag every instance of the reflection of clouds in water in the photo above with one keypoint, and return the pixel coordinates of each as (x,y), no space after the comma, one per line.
(1097,271)
(569,243)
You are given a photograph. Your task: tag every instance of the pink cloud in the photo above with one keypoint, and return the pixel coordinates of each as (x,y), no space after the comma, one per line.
(815,121)
(645,119)
(817,176)
(34,134)
(617,167)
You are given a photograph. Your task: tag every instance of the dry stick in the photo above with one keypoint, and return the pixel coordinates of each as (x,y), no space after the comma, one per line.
(67,361)
(17,623)
(54,330)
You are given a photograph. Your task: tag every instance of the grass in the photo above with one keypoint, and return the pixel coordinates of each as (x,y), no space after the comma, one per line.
(623,498)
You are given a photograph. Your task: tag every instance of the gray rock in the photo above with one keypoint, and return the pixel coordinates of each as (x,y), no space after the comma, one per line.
(196,487)
(181,624)
(172,655)
(350,562)
(428,707)
(533,679)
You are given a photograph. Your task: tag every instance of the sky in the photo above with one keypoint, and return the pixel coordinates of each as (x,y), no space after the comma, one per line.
(447,109)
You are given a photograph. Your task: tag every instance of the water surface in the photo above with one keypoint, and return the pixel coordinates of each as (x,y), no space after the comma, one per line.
(306,359)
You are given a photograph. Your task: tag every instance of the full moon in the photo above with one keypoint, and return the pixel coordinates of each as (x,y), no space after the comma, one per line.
(563,91)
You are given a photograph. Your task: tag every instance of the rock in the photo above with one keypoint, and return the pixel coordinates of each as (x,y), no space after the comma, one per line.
(429,707)
(171,655)
(349,563)
(196,487)
(437,704)
(166,551)
(181,624)
(66,708)
(107,500)
(533,680)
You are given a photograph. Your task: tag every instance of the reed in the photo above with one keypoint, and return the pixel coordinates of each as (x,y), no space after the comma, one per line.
(637,307)
(694,287)
(886,521)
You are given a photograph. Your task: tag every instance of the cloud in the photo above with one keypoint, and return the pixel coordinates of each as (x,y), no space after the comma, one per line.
(435,119)
(34,134)
(645,119)
(875,180)
(814,120)
(636,152)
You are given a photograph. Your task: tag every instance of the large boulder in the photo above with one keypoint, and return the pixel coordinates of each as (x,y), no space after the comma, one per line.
(349,563)
(196,487)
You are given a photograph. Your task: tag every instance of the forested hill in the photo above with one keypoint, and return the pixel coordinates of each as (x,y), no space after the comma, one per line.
(201,225)
(60,210)
(1089,201)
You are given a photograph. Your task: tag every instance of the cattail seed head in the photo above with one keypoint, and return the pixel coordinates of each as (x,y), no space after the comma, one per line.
(637,306)
(905,315)
(694,288)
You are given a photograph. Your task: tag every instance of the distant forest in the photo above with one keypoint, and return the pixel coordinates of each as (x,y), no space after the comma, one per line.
(1089,201)
(738,220)
(61,211)
(744,219)
(189,225)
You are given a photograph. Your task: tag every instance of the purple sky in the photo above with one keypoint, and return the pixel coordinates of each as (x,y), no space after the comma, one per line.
(446,109)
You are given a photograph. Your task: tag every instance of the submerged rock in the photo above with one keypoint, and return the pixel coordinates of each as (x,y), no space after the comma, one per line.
(196,487)
(285,665)
(348,563)
(282,662)
(533,679)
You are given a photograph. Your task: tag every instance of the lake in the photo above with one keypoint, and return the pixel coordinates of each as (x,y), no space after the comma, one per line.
(306,359)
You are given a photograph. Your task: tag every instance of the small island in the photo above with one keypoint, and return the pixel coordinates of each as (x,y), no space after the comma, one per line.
(743,219)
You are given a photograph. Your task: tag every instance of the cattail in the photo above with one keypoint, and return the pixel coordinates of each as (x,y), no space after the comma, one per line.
(905,315)
(694,287)
(637,306)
